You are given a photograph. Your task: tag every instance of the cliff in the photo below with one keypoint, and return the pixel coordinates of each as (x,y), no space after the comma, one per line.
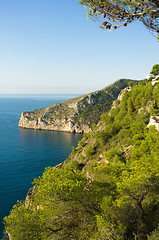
(74,115)
(113,171)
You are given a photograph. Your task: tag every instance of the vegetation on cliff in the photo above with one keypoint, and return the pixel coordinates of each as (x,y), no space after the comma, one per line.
(109,186)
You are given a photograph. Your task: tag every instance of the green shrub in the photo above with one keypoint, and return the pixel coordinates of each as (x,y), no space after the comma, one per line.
(90,150)
(73,150)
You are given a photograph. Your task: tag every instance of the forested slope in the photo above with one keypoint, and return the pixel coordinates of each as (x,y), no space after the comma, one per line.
(109,186)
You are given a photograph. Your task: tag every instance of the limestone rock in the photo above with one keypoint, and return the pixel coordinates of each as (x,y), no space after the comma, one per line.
(74,115)
(154,121)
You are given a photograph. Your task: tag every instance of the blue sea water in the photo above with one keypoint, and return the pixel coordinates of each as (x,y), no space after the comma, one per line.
(24,153)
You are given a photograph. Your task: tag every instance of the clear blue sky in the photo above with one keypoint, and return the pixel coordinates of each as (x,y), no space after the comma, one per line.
(50,47)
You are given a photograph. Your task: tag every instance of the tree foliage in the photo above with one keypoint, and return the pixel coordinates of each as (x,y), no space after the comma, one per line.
(155,70)
(130,209)
(62,208)
(117,200)
(115,13)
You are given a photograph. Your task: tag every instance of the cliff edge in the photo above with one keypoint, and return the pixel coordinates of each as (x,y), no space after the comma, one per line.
(74,115)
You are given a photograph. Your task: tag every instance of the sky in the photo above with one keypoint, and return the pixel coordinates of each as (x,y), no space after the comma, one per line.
(49,47)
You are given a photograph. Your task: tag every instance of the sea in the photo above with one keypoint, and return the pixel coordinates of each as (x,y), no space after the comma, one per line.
(25,153)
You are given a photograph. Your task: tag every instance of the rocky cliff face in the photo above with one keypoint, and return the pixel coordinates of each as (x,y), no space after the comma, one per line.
(58,117)
(74,115)
(7,236)
(154,121)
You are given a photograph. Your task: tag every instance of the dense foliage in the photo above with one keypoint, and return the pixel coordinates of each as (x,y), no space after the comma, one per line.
(115,13)
(155,70)
(115,199)
(102,102)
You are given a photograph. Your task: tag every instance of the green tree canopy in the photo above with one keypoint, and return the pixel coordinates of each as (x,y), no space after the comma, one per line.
(155,70)
(111,192)
(115,13)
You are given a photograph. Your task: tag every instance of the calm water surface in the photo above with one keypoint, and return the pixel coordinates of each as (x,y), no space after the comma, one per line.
(24,153)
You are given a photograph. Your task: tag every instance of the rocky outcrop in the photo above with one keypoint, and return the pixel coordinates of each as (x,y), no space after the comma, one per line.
(56,123)
(74,115)
(58,117)
(7,236)
(120,96)
(154,121)
(29,196)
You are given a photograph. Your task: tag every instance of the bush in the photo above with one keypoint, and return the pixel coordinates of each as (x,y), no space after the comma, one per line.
(154,235)
(90,151)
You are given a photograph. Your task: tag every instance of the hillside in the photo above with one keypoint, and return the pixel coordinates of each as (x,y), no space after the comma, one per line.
(135,107)
(108,187)
(74,115)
